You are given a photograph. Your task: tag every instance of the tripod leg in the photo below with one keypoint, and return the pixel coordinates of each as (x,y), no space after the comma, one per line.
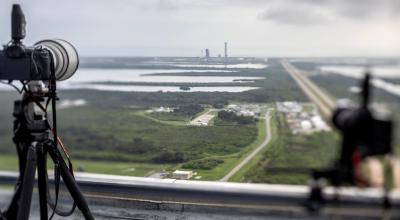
(71,185)
(12,210)
(42,182)
(28,183)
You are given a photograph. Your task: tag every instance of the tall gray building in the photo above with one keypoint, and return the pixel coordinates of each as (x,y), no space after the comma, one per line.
(226,49)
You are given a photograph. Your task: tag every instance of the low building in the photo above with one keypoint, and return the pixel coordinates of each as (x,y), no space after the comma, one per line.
(182,174)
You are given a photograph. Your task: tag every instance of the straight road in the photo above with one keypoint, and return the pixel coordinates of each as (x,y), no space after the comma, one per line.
(324,103)
(254,152)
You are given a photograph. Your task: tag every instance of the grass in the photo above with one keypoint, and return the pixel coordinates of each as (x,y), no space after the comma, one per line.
(119,128)
(164,118)
(120,168)
(10,163)
(221,170)
(239,176)
(288,151)
(105,129)
(7,187)
(230,161)
(107,147)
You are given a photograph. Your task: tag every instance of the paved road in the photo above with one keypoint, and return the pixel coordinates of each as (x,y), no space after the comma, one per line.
(254,152)
(324,103)
(203,118)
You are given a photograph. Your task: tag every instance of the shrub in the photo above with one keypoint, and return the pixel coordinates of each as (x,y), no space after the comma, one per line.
(206,164)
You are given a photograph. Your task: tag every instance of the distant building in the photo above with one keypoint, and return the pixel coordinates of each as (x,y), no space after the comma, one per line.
(226,49)
(182,174)
(164,109)
(207,53)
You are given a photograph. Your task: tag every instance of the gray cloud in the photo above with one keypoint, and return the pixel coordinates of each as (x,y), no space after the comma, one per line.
(298,11)
(295,16)
(186,27)
(168,5)
(322,11)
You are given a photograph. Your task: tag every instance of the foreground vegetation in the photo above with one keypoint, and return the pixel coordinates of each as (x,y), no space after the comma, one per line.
(113,133)
(289,158)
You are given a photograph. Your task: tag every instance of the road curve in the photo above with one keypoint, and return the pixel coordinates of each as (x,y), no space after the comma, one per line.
(254,152)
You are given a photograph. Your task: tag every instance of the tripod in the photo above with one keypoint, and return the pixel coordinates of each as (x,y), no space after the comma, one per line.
(33,143)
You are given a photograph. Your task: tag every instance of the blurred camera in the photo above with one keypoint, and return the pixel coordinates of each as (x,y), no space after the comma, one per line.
(364,129)
(369,131)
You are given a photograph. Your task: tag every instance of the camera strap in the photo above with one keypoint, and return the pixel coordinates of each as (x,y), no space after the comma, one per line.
(57,181)
(57,142)
(57,187)
(53,205)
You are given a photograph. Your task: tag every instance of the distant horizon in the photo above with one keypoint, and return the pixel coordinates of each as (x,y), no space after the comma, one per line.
(174,28)
(260,57)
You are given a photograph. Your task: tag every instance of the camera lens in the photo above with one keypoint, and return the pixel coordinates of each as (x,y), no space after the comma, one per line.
(66,59)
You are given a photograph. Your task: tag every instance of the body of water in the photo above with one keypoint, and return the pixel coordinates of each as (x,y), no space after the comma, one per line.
(94,78)
(382,75)
(133,88)
(358,71)
(221,66)
(86,75)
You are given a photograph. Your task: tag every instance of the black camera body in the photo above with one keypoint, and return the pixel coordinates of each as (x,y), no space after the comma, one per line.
(38,62)
(364,131)
(25,63)
(18,62)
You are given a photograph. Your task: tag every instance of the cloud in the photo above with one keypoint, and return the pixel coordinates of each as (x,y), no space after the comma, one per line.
(311,12)
(168,5)
(184,27)
(296,15)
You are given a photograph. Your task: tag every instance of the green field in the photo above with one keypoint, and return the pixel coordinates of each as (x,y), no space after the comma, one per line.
(289,158)
(230,161)
(130,142)
(240,175)
(114,134)
(83,159)
(9,162)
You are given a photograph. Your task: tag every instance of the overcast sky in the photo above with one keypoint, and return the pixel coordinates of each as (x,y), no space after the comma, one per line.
(186,27)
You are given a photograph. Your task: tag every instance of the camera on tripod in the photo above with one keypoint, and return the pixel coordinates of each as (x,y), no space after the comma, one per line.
(20,62)
(37,68)
(365,132)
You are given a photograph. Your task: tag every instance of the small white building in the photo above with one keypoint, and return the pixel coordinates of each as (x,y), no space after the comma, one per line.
(319,124)
(182,174)
(306,125)
(164,109)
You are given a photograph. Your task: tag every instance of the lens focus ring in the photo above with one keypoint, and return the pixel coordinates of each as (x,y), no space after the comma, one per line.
(65,57)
